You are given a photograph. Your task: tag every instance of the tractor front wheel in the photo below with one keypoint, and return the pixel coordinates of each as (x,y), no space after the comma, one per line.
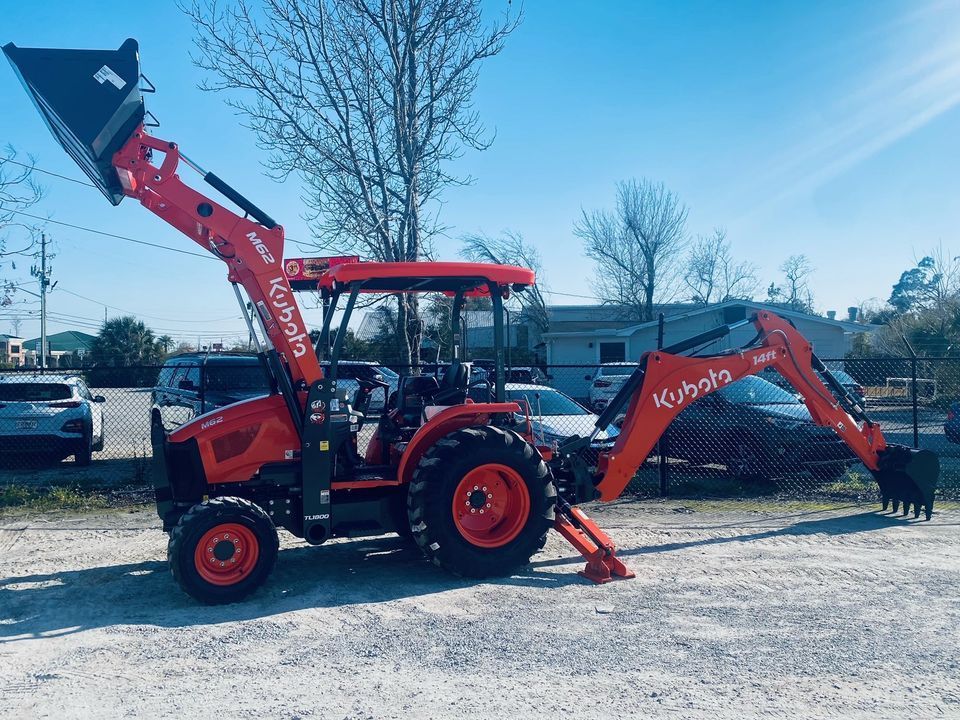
(481,502)
(221,550)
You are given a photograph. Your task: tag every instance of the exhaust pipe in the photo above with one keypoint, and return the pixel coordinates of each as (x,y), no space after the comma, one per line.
(90,101)
(907,476)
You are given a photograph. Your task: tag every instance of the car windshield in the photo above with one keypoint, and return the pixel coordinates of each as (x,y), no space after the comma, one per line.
(34,392)
(757,391)
(387,373)
(842,377)
(549,402)
(236,377)
(617,369)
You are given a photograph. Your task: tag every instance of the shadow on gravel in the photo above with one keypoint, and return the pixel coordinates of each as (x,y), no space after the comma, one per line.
(144,593)
(341,574)
(835,525)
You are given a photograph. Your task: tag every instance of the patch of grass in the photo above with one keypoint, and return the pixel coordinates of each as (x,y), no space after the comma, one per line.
(24,497)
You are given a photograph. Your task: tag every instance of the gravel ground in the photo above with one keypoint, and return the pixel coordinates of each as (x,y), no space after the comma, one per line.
(842,613)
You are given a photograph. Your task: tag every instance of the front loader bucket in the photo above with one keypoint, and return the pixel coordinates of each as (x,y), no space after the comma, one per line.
(908,476)
(90,100)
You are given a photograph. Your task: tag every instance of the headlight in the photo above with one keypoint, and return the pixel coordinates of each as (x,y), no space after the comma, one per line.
(785,423)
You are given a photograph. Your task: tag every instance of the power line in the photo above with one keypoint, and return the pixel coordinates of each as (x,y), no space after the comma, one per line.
(34,168)
(187,252)
(97,323)
(87,184)
(139,314)
(112,235)
(584,297)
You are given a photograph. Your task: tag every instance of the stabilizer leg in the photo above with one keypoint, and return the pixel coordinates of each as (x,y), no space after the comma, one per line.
(590,541)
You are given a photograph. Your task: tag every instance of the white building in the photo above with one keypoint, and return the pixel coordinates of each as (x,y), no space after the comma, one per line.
(617,341)
(11,350)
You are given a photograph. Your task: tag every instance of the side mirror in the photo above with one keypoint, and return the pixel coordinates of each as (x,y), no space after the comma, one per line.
(99,399)
(186,385)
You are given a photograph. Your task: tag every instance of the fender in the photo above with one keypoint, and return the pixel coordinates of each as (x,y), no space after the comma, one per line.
(444,423)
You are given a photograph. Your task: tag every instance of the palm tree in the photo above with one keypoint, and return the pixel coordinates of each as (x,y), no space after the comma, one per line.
(125,341)
(165,341)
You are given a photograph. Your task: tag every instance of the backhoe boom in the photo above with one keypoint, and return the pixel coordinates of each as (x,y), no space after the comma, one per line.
(665,384)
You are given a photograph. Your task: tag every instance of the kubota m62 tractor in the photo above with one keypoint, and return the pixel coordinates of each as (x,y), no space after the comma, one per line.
(466,479)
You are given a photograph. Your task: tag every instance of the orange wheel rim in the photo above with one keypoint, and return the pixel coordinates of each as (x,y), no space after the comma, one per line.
(226,554)
(491,505)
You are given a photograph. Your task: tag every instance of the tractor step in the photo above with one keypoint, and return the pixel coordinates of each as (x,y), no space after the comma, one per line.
(584,534)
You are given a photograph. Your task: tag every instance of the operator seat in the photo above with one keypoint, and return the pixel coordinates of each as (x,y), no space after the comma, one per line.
(413,394)
(453,386)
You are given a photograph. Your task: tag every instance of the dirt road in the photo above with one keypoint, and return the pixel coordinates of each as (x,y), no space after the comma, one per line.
(830,614)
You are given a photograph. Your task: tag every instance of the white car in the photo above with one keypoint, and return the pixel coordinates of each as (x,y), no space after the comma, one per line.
(607,381)
(50,416)
(556,417)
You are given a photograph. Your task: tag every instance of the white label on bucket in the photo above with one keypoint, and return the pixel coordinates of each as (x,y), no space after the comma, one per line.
(105,74)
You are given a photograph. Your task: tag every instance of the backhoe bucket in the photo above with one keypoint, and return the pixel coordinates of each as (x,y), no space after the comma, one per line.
(90,100)
(908,476)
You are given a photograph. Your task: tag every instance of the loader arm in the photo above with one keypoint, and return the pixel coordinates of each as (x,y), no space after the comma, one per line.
(665,383)
(253,251)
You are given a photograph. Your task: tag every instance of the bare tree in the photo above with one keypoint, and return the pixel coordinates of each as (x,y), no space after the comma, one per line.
(796,269)
(15,325)
(511,249)
(19,191)
(795,293)
(637,246)
(365,100)
(714,276)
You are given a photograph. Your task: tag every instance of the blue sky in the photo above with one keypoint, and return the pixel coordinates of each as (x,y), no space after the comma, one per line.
(824,128)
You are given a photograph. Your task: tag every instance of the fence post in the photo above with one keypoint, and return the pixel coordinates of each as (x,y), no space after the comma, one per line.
(913,390)
(913,378)
(661,443)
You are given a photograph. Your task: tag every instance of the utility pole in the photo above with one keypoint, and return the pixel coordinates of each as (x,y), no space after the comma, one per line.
(42,274)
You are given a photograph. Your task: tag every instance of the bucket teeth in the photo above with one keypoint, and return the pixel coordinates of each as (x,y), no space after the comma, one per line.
(907,477)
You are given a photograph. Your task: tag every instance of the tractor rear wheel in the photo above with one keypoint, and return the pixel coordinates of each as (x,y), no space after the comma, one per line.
(221,550)
(481,502)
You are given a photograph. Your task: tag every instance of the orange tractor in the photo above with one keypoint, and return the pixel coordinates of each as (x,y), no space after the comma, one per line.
(467,480)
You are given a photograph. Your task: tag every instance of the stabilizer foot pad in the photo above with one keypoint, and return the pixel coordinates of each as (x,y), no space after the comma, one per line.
(603,565)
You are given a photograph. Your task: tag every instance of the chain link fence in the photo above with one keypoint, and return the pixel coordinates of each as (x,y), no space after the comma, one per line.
(752,439)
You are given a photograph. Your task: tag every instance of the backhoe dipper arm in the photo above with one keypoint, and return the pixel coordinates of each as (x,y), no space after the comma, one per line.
(252,251)
(666,383)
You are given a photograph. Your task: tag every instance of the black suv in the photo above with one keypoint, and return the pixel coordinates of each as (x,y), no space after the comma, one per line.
(194,383)
(759,431)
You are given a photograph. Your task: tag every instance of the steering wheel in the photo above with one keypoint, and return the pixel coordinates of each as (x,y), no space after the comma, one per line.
(365,392)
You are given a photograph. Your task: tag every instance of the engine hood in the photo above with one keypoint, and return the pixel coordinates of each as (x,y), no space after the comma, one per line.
(786,411)
(567,425)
